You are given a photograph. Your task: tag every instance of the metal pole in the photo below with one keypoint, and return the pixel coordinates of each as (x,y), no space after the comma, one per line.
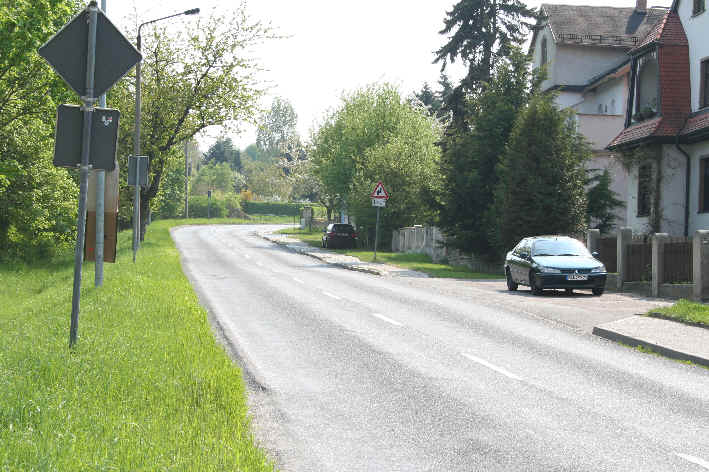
(100,204)
(376,235)
(136,153)
(88,100)
(187,181)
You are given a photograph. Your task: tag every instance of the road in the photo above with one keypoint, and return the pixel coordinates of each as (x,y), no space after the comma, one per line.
(353,372)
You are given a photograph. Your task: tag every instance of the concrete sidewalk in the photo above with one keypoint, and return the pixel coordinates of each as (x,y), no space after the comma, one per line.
(668,338)
(340,260)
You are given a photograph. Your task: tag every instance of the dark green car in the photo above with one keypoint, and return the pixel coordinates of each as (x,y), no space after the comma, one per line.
(554,262)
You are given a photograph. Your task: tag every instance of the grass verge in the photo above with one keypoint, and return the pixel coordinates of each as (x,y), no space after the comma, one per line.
(686,311)
(411,261)
(145,388)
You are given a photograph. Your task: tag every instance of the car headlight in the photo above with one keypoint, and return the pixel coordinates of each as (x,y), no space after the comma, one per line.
(549,270)
(598,269)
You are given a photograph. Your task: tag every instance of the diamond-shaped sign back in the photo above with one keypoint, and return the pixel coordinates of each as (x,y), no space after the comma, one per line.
(66,53)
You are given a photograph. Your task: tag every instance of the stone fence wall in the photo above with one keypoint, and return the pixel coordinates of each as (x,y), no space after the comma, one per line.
(431,241)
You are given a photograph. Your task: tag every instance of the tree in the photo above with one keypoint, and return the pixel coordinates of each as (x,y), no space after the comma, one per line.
(541,175)
(37,201)
(216,177)
(470,156)
(267,180)
(376,135)
(277,134)
(602,201)
(223,150)
(193,79)
(481,33)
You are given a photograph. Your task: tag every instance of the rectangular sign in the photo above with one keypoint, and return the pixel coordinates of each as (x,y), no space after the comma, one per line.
(143,170)
(104,137)
(379,202)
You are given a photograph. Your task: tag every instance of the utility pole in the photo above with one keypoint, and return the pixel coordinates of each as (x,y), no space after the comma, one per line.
(100,204)
(187,181)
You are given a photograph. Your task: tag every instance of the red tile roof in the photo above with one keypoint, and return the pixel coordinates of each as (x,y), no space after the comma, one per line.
(696,123)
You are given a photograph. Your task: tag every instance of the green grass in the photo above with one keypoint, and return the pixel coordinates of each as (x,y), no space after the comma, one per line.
(411,261)
(686,311)
(146,386)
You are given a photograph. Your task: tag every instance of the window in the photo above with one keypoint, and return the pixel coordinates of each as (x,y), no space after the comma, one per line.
(644,189)
(703,184)
(704,84)
(646,87)
(698,7)
(600,108)
(545,57)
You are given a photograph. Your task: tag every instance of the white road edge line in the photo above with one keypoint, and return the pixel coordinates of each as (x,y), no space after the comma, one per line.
(299,281)
(694,460)
(247,256)
(331,295)
(388,320)
(497,369)
(259,263)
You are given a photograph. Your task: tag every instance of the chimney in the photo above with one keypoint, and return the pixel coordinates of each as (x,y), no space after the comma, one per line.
(641,5)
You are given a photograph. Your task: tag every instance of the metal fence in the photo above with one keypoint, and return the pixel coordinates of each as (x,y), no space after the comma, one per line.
(678,261)
(608,253)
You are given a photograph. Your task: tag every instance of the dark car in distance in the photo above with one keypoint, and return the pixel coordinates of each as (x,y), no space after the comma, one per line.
(554,262)
(340,235)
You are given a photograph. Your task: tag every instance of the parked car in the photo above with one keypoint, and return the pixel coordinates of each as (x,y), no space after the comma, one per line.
(543,262)
(339,235)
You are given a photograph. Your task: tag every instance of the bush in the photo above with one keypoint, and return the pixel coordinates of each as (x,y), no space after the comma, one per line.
(272,208)
(198,207)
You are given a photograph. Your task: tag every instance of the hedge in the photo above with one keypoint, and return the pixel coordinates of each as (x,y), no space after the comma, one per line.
(272,208)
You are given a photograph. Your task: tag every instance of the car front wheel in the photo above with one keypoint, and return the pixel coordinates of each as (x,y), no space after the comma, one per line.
(511,284)
(597,291)
(533,284)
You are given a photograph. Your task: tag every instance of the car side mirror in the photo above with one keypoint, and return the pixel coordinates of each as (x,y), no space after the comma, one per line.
(595,254)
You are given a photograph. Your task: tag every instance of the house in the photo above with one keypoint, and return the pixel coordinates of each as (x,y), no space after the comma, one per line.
(666,130)
(585,51)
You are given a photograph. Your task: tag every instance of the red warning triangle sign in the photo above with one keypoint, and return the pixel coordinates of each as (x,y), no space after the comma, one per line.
(380,192)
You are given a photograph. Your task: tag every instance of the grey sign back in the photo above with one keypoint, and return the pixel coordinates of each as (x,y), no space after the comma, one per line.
(104,137)
(66,52)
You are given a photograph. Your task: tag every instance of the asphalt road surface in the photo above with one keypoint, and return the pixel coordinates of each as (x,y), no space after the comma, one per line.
(354,372)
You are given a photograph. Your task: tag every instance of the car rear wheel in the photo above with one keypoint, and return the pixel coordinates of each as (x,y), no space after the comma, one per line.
(598,291)
(569,291)
(511,284)
(533,284)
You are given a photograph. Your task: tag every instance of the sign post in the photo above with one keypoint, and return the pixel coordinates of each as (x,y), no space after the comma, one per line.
(108,57)
(379,200)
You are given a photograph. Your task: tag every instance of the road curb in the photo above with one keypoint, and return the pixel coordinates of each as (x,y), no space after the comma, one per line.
(664,351)
(315,255)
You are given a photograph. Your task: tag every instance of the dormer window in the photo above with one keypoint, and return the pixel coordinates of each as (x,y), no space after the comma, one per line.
(647,81)
(704,84)
(545,57)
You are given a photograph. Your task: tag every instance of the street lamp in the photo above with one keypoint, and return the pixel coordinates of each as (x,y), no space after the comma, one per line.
(136,133)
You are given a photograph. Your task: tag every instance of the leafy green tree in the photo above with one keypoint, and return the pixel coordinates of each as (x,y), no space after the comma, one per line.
(252,153)
(37,200)
(470,156)
(376,135)
(277,134)
(216,177)
(541,175)
(480,32)
(223,150)
(267,180)
(602,201)
(197,77)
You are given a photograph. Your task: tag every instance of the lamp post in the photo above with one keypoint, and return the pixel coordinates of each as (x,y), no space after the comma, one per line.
(136,132)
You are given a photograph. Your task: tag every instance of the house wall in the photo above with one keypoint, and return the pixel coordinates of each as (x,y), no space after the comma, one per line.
(551,54)
(696,220)
(600,129)
(577,65)
(695,27)
(611,96)
(672,198)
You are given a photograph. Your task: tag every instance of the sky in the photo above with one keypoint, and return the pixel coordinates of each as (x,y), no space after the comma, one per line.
(335,46)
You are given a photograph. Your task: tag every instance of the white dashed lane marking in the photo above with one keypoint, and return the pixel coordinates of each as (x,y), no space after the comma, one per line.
(388,320)
(497,369)
(298,280)
(328,294)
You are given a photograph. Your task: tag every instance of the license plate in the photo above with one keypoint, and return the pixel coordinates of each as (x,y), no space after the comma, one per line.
(342,234)
(576,277)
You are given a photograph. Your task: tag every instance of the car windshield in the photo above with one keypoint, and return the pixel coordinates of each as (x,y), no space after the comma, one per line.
(343,228)
(559,247)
